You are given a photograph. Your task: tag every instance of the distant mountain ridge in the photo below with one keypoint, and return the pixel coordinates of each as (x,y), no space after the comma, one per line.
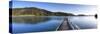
(36,12)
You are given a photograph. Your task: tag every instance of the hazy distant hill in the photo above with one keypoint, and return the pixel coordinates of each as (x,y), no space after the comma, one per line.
(36,12)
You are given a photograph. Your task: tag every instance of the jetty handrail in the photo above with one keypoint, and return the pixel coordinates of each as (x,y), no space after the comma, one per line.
(73,26)
(60,24)
(70,25)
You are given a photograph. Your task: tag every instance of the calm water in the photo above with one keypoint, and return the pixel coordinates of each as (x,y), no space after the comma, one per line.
(40,24)
(84,22)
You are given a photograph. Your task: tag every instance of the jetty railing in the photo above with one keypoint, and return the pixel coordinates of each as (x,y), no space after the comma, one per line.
(67,25)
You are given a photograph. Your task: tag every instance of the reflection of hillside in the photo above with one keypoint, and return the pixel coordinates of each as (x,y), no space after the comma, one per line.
(30,20)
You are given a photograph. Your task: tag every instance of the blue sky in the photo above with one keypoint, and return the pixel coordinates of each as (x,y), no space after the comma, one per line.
(54,7)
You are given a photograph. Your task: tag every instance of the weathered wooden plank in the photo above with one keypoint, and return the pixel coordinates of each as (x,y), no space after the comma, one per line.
(65,25)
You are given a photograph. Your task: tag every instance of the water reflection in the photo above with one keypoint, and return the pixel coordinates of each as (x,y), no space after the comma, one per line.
(84,22)
(30,20)
(34,24)
(49,23)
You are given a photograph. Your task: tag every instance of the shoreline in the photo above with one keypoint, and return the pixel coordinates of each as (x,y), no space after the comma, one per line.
(22,15)
(35,16)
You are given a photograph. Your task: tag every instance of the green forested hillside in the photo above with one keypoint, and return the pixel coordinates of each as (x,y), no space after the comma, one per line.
(36,12)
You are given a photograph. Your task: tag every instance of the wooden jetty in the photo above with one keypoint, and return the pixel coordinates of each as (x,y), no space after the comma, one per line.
(66,25)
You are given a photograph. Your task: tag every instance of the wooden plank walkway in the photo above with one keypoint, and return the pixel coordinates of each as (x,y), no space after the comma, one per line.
(64,25)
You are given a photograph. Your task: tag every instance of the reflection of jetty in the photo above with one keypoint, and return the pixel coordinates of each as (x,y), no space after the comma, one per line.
(66,25)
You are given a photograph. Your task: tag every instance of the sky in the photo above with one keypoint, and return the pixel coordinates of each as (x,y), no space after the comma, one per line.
(57,7)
